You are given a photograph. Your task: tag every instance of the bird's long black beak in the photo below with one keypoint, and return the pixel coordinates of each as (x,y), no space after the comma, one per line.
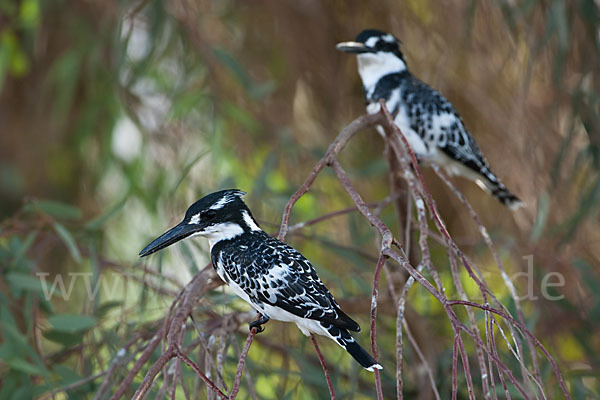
(173,235)
(353,47)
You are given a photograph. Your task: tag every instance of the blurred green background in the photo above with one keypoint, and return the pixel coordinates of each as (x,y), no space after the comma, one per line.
(116,115)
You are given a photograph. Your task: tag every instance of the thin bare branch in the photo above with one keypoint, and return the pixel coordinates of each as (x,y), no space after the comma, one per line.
(324,366)
(240,368)
(378,268)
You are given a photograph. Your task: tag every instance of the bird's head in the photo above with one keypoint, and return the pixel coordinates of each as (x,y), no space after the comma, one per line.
(378,54)
(218,216)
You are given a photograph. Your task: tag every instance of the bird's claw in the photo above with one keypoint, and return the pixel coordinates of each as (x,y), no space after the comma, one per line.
(258,324)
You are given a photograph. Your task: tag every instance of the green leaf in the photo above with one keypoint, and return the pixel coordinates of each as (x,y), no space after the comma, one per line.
(540,221)
(55,209)
(97,222)
(72,322)
(67,374)
(104,308)
(25,245)
(69,241)
(64,338)
(21,365)
(230,62)
(188,167)
(186,102)
(24,282)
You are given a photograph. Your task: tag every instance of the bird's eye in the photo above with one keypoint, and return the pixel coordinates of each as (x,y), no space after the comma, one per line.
(208,214)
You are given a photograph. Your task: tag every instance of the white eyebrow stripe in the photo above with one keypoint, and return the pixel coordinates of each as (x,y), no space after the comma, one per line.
(194,220)
(221,203)
(250,222)
(389,38)
(371,41)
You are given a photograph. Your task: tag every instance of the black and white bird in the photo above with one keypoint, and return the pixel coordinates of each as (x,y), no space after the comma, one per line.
(430,123)
(271,276)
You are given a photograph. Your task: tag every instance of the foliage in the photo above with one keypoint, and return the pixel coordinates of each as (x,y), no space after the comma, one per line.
(115,116)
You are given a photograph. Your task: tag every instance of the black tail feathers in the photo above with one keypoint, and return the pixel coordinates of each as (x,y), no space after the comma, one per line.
(507,198)
(497,189)
(361,355)
(344,339)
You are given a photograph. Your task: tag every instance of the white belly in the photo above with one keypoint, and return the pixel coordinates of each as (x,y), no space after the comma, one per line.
(415,141)
(306,326)
(402,121)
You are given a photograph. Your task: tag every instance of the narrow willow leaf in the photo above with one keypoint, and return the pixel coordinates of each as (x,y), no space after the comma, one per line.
(69,241)
(72,322)
(55,209)
(100,220)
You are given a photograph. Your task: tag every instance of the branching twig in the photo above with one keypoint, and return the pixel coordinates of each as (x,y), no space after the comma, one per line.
(390,248)
(335,147)
(177,351)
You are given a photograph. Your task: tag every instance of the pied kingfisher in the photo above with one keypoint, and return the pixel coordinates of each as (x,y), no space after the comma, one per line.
(271,276)
(433,128)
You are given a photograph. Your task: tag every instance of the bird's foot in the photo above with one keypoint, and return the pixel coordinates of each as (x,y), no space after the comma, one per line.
(258,323)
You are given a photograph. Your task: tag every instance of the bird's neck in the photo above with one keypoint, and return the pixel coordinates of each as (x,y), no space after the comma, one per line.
(226,231)
(373,67)
(231,230)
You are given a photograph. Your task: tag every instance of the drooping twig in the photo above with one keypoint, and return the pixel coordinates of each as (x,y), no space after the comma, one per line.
(152,345)
(240,368)
(509,284)
(202,283)
(198,371)
(251,387)
(324,366)
(391,126)
(336,146)
(480,357)
(526,331)
(426,365)
(378,268)
(387,240)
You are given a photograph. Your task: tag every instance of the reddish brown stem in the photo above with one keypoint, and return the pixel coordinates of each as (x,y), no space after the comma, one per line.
(336,146)
(535,340)
(240,368)
(324,366)
(198,371)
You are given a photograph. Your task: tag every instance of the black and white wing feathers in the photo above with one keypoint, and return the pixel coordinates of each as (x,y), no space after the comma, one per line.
(273,273)
(433,118)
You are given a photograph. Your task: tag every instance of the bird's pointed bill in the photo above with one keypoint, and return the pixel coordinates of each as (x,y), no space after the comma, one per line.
(353,47)
(173,235)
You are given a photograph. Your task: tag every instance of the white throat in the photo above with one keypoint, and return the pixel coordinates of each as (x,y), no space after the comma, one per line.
(374,66)
(216,233)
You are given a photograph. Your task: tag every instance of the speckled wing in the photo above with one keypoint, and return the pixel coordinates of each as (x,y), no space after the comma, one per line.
(459,145)
(274,273)
(436,121)
(436,132)
(303,294)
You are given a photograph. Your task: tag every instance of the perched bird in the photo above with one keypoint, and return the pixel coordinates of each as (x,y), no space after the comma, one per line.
(270,275)
(430,123)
